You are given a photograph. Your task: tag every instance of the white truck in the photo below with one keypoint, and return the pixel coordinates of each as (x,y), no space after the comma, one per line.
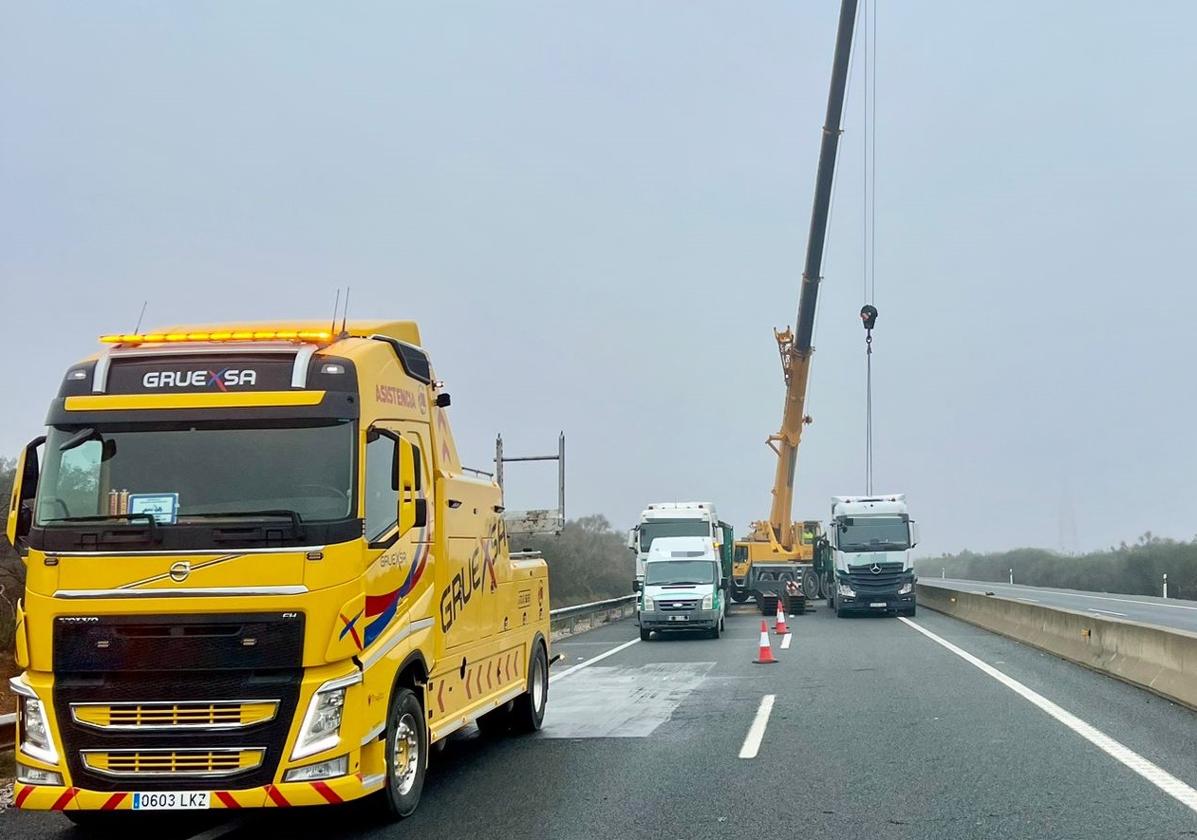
(684,588)
(870,540)
(671,519)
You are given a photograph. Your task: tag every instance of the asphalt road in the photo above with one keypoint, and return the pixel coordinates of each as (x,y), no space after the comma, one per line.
(1164,612)
(876,730)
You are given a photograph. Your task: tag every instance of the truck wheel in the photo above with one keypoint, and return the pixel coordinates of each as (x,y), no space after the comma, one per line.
(406,749)
(912,611)
(739,596)
(840,612)
(528,714)
(645,634)
(714,631)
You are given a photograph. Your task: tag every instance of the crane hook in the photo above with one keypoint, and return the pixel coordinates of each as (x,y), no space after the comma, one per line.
(868,316)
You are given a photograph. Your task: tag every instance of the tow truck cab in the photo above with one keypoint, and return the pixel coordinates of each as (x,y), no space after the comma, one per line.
(258,576)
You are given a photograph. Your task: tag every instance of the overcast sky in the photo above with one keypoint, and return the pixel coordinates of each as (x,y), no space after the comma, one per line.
(598,211)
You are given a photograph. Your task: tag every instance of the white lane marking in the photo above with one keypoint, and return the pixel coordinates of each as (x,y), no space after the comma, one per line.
(592,660)
(996,586)
(1107,612)
(756,732)
(1153,773)
(785,641)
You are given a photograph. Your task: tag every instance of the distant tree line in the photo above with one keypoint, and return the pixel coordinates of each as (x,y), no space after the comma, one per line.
(1136,569)
(588,561)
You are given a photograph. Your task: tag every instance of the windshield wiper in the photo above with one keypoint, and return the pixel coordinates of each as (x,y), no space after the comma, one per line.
(294,516)
(105,517)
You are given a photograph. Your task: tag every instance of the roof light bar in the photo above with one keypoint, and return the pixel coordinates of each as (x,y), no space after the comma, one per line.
(218,335)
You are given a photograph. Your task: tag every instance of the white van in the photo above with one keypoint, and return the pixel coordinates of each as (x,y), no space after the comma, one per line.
(684,587)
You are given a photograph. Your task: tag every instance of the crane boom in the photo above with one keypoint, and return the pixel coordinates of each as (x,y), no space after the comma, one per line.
(796,348)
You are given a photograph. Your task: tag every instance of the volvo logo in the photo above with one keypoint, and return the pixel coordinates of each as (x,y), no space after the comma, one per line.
(875,569)
(180,571)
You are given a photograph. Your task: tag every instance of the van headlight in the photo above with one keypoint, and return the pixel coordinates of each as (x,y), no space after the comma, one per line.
(648,604)
(321,729)
(906,588)
(708,602)
(34,726)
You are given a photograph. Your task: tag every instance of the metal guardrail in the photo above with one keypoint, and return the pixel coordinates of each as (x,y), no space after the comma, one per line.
(566,621)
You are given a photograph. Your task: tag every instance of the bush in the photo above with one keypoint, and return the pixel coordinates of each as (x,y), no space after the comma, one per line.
(589,561)
(1128,569)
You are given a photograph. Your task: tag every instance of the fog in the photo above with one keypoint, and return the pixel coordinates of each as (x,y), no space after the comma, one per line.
(597,212)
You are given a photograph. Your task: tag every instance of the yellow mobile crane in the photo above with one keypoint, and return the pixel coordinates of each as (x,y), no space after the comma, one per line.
(780,540)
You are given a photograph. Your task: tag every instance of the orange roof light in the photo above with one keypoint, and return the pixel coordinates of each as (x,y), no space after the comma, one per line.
(319,336)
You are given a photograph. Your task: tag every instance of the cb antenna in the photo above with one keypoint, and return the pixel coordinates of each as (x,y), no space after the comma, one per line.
(144,304)
(333,326)
(345,311)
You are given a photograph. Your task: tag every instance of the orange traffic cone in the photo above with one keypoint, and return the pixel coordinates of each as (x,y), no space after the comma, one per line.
(765,657)
(780,627)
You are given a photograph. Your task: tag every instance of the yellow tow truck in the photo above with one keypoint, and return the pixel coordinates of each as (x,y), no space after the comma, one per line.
(259,576)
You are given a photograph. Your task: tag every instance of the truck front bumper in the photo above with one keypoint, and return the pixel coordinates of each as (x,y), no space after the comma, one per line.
(694,619)
(284,795)
(878,604)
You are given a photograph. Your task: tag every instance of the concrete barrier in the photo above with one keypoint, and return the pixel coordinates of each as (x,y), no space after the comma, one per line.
(1160,660)
(579,618)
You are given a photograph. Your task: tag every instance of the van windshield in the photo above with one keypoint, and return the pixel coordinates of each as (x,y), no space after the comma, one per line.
(678,572)
(200,471)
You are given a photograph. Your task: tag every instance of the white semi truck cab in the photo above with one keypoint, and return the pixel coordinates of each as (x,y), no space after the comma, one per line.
(671,519)
(870,539)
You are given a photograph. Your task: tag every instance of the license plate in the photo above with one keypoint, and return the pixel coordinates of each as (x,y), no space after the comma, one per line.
(188,800)
(878,604)
(679,618)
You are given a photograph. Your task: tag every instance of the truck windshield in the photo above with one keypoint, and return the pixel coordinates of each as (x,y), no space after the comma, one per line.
(197,471)
(649,531)
(676,572)
(874,533)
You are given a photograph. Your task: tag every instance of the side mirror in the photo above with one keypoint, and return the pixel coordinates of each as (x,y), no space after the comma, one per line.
(443,400)
(633,534)
(914,534)
(412,511)
(24,490)
(637,585)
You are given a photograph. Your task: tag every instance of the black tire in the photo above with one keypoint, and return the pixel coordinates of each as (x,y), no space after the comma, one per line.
(840,612)
(739,596)
(528,714)
(714,631)
(496,722)
(912,611)
(406,755)
(645,634)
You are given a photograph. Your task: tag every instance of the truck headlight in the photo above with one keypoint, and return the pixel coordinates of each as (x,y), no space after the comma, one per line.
(321,729)
(648,604)
(36,741)
(708,602)
(845,589)
(906,588)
